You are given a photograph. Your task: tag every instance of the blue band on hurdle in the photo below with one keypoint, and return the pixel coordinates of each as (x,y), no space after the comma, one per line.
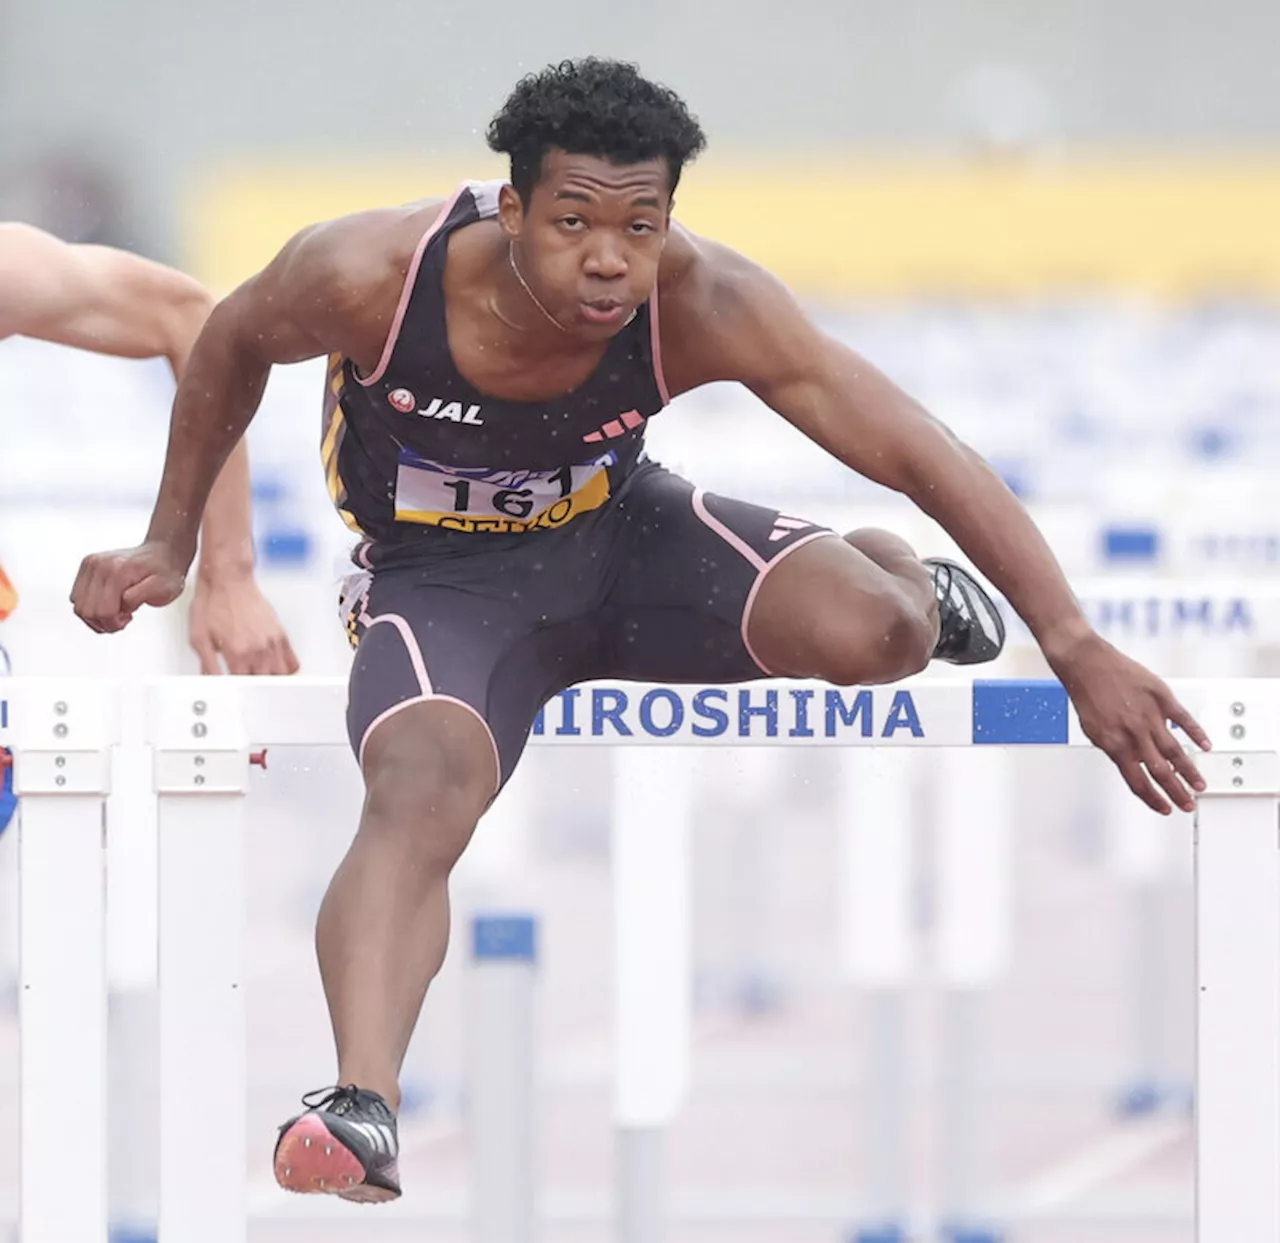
(1019,713)
(286,545)
(1131,544)
(510,937)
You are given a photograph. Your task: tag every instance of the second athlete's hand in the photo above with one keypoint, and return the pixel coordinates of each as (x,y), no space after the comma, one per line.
(233,622)
(111,586)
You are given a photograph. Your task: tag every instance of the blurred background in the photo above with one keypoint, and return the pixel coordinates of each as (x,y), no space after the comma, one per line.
(1052,222)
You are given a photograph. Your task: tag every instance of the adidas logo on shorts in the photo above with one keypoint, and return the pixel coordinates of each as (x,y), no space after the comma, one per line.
(782,527)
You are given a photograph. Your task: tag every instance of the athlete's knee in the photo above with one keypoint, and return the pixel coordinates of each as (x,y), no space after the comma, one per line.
(887,636)
(427,779)
(886,548)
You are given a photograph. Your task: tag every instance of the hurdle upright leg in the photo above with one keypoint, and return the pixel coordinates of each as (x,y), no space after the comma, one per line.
(878,956)
(502,1096)
(653,955)
(974,952)
(1238,969)
(201,767)
(62,775)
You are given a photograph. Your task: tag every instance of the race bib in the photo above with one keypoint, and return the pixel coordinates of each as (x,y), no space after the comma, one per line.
(463,499)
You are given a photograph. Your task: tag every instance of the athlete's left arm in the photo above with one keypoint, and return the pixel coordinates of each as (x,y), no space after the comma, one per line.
(111,302)
(727,319)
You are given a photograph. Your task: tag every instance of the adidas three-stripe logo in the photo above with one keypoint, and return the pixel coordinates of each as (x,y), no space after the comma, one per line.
(381,1136)
(784,526)
(625,422)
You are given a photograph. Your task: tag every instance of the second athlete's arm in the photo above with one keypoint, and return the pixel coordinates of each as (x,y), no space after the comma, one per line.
(108,301)
(300,306)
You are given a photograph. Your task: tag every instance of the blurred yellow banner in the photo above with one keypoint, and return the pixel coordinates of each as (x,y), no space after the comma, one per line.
(844,225)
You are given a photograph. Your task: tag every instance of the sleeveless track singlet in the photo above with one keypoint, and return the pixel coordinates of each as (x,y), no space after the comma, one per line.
(414,449)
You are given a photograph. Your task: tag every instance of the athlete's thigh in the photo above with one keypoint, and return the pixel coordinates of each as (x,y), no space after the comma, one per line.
(493,651)
(690,569)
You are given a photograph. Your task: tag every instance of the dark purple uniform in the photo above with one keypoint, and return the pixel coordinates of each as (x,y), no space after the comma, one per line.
(510,549)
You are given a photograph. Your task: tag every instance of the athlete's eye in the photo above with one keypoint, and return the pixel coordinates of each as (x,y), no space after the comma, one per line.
(641,226)
(573,222)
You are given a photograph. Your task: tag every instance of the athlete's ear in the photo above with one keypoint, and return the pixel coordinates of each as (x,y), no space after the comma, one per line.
(510,211)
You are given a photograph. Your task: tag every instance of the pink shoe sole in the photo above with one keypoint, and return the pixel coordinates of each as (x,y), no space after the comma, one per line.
(310,1161)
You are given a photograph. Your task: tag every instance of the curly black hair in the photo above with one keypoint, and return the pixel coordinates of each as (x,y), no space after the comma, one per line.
(592,107)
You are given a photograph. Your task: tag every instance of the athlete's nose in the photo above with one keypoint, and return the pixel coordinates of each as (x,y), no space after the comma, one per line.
(606,258)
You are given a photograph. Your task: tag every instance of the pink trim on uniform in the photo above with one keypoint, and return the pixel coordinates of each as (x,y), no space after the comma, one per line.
(382,716)
(755,591)
(411,279)
(411,643)
(613,429)
(362,556)
(632,418)
(443,699)
(655,342)
(592,437)
(734,542)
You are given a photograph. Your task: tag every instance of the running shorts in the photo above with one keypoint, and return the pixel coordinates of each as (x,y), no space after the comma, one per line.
(655,586)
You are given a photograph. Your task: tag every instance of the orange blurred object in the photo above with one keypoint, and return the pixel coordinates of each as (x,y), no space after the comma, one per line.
(8,595)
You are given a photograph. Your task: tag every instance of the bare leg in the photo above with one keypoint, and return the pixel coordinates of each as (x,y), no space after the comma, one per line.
(384,923)
(861,610)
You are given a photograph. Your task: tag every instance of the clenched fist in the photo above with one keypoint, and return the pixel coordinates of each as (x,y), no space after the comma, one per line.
(111,586)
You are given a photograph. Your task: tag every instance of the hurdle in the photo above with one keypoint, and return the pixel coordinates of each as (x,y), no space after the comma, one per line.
(202,733)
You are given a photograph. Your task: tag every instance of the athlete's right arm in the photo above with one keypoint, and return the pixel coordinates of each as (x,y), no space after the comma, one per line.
(311,300)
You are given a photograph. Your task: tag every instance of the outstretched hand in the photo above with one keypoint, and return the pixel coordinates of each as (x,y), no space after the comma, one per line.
(1125,710)
(112,586)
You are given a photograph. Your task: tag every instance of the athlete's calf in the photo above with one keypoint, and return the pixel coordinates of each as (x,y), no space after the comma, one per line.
(384,923)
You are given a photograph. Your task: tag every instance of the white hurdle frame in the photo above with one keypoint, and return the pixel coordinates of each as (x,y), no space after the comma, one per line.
(200,767)
(61,734)
(200,730)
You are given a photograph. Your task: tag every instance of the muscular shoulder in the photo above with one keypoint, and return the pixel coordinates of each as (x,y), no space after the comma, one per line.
(724,317)
(337,282)
(353,256)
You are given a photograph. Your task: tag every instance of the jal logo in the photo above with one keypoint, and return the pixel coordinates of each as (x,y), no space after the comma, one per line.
(454,411)
(437,408)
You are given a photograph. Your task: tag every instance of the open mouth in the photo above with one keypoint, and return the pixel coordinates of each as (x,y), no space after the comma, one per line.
(603,311)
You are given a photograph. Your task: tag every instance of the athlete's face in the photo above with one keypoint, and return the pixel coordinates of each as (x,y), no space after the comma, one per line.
(591,238)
